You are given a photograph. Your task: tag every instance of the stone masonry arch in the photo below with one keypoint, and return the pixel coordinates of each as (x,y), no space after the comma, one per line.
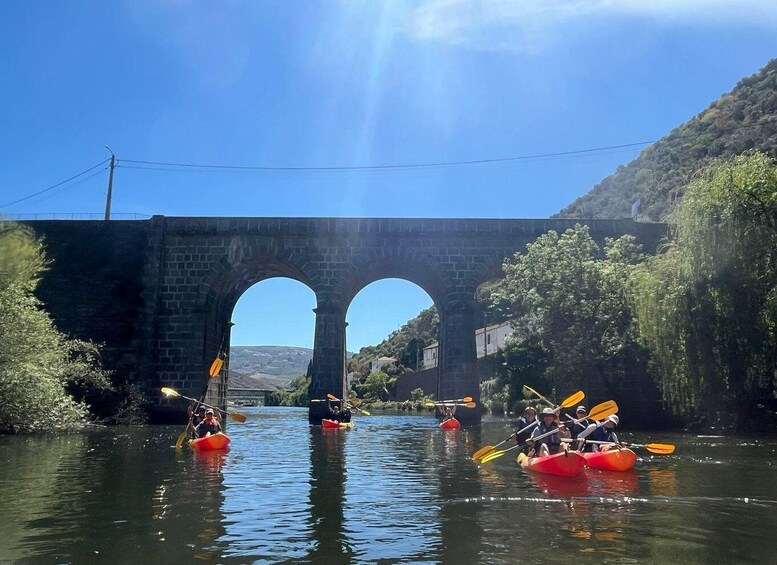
(159,293)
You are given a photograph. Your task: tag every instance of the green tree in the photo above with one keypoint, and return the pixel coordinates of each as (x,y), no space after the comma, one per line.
(376,386)
(34,357)
(707,306)
(569,304)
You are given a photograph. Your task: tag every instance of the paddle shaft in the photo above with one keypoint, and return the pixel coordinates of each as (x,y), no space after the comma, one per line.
(604,410)
(206,405)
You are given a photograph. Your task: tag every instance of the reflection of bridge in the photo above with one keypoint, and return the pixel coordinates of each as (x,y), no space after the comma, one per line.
(160,293)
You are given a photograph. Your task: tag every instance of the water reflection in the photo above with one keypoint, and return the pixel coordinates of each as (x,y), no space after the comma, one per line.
(327,496)
(396,489)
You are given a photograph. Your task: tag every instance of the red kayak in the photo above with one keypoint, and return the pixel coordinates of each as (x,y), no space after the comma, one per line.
(562,464)
(335,425)
(207,443)
(450,424)
(611,460)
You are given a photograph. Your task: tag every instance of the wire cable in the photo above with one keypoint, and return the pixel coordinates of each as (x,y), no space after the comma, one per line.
(55,185)
(379,167)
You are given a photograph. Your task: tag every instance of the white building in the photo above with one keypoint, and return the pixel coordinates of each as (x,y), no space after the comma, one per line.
(378,362)
(494,340)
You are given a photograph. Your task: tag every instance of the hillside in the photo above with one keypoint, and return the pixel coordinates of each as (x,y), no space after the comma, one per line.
(271,364)
(742,120)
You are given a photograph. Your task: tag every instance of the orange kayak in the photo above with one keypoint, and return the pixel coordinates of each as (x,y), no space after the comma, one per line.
(335,425)
(562,464)
(213,441)
(611,460)
(450,424)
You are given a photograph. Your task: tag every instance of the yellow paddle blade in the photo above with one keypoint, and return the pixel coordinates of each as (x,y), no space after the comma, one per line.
(466,399)
(167,391)
(237,417)
(603,410)
(215,367)
(364,412)
(494,455)
(470,404)
(537,394)
(574,399)
(331,396)
(180,440)
(660,448)
(482,452)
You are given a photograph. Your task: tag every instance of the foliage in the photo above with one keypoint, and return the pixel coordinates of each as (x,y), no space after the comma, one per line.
(377,386)
(707,307)
(296,396)
(34,358)
(739,121)
(570,309)
(405,345)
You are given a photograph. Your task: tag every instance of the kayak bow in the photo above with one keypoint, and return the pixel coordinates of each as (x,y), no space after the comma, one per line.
(562,464)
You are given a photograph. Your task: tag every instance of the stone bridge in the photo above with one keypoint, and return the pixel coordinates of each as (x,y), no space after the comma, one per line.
(160,293)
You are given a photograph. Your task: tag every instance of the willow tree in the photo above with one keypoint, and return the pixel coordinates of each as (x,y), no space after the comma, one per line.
(569,304)
(707,306)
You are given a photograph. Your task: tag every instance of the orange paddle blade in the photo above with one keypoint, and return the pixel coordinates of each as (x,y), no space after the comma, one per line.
(215,367)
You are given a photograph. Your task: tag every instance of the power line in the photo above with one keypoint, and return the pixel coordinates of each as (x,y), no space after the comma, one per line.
(155,164)
(55,185)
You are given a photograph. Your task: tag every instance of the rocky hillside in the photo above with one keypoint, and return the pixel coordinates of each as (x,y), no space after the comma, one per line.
(742,120)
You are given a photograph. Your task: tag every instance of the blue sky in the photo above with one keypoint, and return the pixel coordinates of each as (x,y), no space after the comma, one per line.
(348,84)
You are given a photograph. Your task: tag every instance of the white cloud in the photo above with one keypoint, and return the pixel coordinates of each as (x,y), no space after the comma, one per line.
(533,25)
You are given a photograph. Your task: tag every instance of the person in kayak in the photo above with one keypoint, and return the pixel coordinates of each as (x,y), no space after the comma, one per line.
(449,412)
(334,412)
(195,417)
(551,444)
(345,414)
(529,417)
(600,431)
(208,426)
(576,428)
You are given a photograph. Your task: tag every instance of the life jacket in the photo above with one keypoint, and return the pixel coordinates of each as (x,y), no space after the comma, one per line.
(553,441)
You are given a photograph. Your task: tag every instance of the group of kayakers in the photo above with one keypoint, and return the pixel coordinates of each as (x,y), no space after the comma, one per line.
(203,421)
(575,430)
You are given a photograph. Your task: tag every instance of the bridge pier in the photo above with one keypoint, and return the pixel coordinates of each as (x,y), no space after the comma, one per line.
(328,366)
(458,374)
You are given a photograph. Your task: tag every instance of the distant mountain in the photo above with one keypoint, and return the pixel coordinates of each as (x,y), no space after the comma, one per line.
(256,382)
(744,119)
(273,364)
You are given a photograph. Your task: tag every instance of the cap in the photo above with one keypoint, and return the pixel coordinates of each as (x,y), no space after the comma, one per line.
(201,408)
(581,408)
(209,411)
(530,408)
(548,412)
(614,419)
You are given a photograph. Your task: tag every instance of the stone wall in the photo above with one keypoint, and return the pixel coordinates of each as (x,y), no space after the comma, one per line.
(160,293)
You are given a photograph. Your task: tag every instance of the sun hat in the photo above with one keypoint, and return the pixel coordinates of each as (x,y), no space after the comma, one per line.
(548,412)
(614,419)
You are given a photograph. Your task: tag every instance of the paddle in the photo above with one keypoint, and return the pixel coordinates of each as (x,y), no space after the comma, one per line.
(347,404)
(218,362)
(657,448)
(467,404)
(598,412)
(234,415)
(465,399)
(569,401)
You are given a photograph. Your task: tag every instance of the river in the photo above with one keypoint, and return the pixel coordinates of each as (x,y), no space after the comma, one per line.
(396,489)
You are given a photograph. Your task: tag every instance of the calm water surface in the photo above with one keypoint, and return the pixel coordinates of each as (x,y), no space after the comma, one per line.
(396,489)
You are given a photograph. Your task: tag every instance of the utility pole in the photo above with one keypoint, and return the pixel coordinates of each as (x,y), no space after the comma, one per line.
(110,186)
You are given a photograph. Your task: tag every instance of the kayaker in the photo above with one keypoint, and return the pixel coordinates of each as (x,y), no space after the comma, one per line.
(449,412)
(345,414)
(575,428)
(208,426)
(600,431)
(529,417)
(195,417)
(334,412)
(551,444)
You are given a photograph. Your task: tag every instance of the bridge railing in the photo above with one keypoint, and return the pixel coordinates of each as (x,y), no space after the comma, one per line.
(74,216)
